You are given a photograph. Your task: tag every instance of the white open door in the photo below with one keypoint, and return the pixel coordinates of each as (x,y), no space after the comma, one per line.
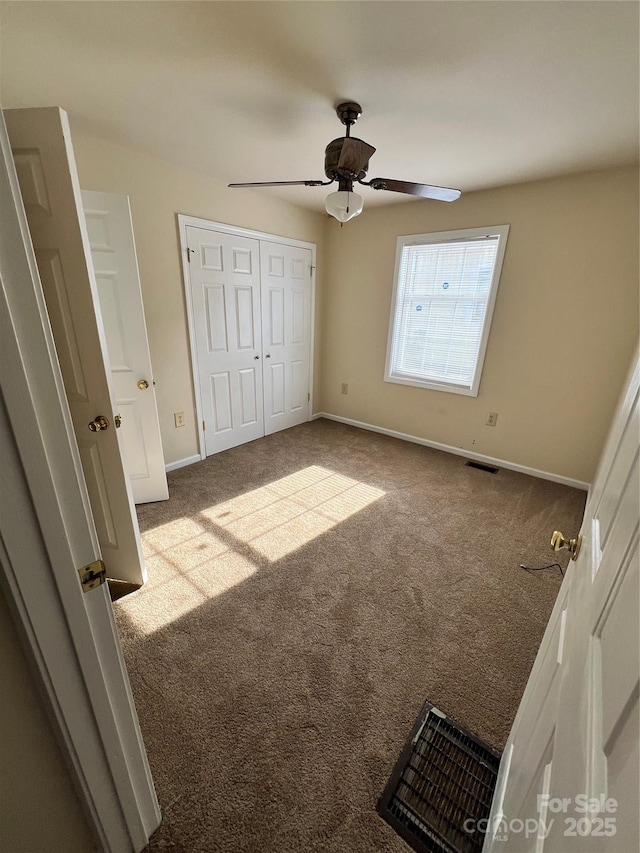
(41,145)
(46,535)
(286,334)
(569,774)
(115,264)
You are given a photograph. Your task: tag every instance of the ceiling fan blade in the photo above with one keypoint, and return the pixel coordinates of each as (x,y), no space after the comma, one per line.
(283,184)
(354,156)
(422,190)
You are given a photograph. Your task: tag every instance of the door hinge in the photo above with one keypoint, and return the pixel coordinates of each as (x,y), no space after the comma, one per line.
(189,253)
(92,575)
(311,269)
(309,397)
(204,425)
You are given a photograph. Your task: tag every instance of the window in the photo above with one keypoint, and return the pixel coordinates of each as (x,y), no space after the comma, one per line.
(444,291)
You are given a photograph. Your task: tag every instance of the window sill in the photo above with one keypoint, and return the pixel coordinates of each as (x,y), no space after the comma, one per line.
(466,391)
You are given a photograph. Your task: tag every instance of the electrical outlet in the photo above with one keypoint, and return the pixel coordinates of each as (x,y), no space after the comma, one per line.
(492,419)
(345,388)
(178,417)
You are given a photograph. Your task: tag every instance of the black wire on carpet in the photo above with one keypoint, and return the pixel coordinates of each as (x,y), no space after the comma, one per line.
(542,568)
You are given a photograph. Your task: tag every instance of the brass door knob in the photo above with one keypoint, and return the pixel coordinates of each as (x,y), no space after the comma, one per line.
(559,541)
(99,423)
(143,384)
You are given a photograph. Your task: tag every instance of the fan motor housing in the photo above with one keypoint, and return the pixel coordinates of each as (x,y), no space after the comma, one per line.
(332,158)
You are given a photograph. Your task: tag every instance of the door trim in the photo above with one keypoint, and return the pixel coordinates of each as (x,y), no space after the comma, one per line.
(47,533)
(208,225)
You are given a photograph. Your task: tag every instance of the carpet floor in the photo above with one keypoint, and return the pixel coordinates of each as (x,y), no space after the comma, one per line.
(307,593)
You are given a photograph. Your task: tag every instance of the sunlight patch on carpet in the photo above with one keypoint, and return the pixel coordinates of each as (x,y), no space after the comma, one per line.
(174,592)
(192,560)
(285,515)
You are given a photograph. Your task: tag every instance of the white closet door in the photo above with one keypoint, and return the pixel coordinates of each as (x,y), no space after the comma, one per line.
(113,252)
(286,334)
(224,273)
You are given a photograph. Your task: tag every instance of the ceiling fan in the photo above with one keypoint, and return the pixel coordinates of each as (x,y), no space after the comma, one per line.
(346,160)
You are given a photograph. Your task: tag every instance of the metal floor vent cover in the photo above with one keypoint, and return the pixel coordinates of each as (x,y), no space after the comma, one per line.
(482,466)
(441,786)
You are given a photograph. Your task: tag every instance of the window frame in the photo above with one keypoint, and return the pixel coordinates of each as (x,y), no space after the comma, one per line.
(499,231)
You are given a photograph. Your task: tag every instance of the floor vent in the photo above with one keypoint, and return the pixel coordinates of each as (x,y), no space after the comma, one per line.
(481,466)
(439,795)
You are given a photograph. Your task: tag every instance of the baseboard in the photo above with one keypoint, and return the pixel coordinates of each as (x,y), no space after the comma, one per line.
(459,451)
(181,463)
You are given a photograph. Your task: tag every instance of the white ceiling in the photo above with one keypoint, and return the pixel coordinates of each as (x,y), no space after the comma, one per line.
(461,94)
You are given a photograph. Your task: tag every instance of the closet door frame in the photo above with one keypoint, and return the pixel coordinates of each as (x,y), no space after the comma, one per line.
(183,222)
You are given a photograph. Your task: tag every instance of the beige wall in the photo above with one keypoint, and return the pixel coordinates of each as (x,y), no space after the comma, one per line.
(564,328)
(565,323)
(158,191)
(40,809)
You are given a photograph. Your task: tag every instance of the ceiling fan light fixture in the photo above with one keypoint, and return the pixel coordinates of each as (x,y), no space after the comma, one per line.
(343,205)
(346,160)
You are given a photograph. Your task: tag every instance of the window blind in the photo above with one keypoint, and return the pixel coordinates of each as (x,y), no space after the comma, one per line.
(441,304)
